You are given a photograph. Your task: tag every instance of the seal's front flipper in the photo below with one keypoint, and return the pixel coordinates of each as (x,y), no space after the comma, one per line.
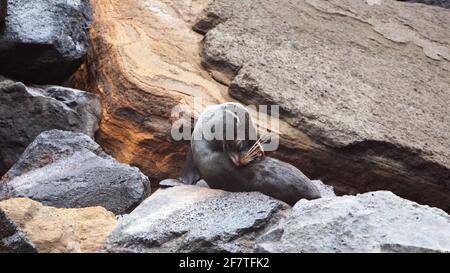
(190,174)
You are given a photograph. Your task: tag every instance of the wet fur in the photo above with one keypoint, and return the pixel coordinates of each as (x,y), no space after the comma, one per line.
(208,160)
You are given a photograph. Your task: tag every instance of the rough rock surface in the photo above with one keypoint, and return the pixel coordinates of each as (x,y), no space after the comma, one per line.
(69,170)
(58,230)
(12,238)
(25,112)
(370,222)
(44,41)
(367,81)
(196,219)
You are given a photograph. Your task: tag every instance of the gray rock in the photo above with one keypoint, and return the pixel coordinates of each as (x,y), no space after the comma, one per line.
(12,238)
(44,41)
(370,222)
(196,219)
(371,91)
(69,170)
(25,112)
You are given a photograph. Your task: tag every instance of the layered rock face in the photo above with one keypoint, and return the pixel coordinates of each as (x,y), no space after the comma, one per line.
(369,92)
(371,222)
(25,112)
(44,41)
(50,230)
(196,219)
(69,170)
(143,62)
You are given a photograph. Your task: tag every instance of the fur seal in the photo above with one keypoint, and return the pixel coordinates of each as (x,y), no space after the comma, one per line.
(236,161)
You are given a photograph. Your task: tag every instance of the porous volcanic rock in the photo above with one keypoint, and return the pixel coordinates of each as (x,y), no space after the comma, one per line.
(370,222)
(53,230)
(69,170)
(366,81)
(44,41)
(25,112)
(196,219)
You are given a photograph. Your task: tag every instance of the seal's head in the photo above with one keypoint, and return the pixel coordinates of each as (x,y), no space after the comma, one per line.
(242,145)
(228,130)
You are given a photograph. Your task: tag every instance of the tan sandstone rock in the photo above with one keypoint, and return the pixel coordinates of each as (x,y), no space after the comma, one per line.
(144,61)
(54,230)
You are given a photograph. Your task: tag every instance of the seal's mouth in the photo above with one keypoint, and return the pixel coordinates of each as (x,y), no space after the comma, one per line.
(252,154)
(256,151)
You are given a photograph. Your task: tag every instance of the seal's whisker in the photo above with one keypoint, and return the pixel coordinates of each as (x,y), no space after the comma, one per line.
(254,146)
(252,152)
(252,155)
(261,140)
(253,149)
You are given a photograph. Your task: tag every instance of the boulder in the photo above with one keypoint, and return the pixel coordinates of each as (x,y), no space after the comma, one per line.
(370,222)
(25,112)
(52,230)
(69,170)
(196,219)
(367,94)
(44,41)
